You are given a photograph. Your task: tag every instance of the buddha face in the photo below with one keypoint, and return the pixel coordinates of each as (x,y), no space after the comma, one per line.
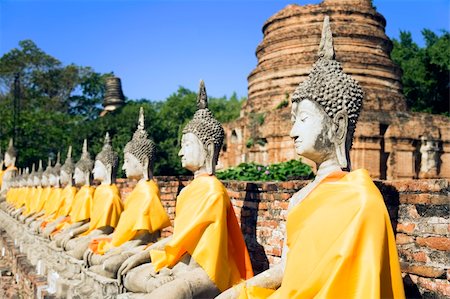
(100,172)
(8,160)
(64,177)
(44,181)
(53,180)
(311,131)
(132,166)
(192,152)
(79,177)
(36,181)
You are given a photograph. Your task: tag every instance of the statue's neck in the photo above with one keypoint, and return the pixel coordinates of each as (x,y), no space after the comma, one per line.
(201,171)
(327,167)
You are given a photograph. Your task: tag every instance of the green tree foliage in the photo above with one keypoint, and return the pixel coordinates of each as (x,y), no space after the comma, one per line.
(285,171)
(425,70)
(60,106)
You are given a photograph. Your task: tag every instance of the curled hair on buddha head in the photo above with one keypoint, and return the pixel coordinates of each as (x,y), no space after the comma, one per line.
(85,163)
(141,146)
(205,126)
(107,155)
(11,150)
(56,169)
(327,85)
(68,166)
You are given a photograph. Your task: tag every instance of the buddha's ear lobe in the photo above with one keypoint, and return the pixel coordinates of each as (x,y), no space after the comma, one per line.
(210,165)
(340,127)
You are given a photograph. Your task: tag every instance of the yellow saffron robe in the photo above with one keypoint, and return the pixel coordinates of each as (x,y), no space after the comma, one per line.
(81,208)
(341,244)
(35,199)
(29,200)
(206,227)
(52,203)
(106,208)
(1,176)
(43,199)
(67,198)
(143,211)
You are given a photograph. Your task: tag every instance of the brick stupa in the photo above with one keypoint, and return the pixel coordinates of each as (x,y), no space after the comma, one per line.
(390,141)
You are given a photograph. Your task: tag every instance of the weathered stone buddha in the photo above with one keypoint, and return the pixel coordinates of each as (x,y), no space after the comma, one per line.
(106,204)
(206,253)
(67,195)
(77,221)
(35,220)
(36,194)
(9,162)
(143,217)
(339,241)
(21,191)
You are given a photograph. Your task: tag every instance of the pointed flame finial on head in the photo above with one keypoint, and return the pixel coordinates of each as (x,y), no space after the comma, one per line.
(326,48)
(69,152)
(40,168)
(141,120)
(202,97)
(85,153)
(58,158)
(107,139)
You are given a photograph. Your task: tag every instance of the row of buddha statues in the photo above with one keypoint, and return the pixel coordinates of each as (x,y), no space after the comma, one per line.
(339,242)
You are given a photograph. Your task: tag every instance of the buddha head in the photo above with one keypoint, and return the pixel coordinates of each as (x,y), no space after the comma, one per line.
(1,159)
(10,154)
(30,179)
(139,153)
(45,181)
(66,173)
(83,168)
(37,178)
(106,162)
(24,177)
(202,138)
(54,174)
(325,108)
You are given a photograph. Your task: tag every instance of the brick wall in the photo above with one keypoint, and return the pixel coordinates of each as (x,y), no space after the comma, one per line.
(419,211)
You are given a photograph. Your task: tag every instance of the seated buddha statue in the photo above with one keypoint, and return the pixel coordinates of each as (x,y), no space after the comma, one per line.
(206,253)
(67,196)
(9,162)
(35,198)
(77,221)
(21,194)
(35,220)
(339,241)
(106,204)
(143,217)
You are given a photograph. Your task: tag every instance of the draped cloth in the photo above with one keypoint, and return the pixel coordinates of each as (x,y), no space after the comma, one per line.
(206,227)
(67,198)
(53,202)
(43,199)
(80,210)
(106,208)
(341,244)
(143,211)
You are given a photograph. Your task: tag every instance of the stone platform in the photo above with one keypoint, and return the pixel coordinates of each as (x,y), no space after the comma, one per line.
(31,268)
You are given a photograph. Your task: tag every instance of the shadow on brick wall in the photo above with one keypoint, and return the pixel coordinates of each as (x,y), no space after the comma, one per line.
(392,201)
(249,217)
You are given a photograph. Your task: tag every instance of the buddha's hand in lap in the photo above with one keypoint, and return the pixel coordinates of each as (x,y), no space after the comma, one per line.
(155,280)
(132,262)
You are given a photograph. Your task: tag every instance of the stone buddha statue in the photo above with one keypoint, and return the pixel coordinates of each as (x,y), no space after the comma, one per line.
(77,221)
(143,216)
(42,204)
(106,204)
(339,241)
(196,261)
(67,195)
(9,162)
(21,193)
(36,194)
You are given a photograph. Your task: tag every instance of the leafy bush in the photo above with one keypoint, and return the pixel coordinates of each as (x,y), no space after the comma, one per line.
(285,171)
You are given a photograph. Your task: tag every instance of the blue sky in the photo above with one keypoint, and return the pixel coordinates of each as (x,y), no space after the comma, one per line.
(156,46)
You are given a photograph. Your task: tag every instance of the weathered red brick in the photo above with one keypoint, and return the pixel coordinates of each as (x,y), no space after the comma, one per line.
(426,271)
(406,227)
(403,239)
(435,285)
(439,243)
(420,256)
